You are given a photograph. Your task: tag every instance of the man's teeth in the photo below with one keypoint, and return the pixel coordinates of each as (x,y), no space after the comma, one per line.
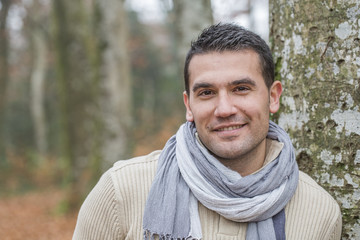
(229,128)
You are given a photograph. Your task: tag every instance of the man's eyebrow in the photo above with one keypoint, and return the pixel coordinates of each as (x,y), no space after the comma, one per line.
(201,85)
(243,81)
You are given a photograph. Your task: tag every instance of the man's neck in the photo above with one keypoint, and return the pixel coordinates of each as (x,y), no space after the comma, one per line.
(249,162)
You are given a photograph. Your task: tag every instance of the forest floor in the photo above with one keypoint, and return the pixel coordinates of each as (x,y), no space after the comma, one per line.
(31,200)
(33,216)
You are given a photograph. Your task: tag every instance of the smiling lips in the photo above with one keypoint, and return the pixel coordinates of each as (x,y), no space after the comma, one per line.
(229,128)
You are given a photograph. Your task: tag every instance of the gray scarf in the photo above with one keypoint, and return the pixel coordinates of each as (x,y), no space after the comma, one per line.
(188,173)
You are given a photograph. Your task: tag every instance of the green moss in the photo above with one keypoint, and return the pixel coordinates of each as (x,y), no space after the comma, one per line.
(278,66)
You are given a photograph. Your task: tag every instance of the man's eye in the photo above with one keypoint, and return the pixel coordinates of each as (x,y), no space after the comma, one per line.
(241,89)
(205,93)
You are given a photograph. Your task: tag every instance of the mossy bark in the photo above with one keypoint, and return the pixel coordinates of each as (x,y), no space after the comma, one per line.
(317,54)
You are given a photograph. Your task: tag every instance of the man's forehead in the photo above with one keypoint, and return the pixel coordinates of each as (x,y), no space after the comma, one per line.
(212,60)
(223,54)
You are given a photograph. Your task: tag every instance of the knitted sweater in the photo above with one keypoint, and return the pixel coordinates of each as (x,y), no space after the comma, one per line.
(114,208)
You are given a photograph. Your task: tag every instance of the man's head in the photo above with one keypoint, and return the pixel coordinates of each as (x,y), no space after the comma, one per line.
(230,93)
(231,37)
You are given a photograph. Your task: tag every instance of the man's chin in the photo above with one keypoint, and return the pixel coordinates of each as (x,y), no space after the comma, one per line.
(229,155)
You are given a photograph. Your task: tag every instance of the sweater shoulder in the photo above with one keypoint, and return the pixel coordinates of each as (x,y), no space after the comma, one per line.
(136,163)
(134,175)
(312,213)
(309,191)
(306,180)
(308,186)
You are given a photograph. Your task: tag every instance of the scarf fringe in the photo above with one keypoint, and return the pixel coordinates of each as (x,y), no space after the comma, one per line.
(152,236)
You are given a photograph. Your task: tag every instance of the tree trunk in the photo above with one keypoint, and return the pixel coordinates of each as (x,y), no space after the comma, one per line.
(77,71)
(37,81)
(62,40)
(94,89)
(117,102)
(316,50)
(188,23)
(4,76)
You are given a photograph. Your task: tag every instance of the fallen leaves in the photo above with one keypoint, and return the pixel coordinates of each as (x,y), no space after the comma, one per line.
(33,216)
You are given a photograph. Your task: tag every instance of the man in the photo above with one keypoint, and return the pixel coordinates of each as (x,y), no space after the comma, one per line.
(228,173)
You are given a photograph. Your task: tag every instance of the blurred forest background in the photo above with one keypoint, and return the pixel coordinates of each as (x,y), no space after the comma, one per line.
(84,83)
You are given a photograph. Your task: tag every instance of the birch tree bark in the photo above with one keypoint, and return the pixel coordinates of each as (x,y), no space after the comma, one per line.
(316,49)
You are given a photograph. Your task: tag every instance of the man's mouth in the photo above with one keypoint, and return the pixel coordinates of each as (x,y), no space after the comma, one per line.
(229,128)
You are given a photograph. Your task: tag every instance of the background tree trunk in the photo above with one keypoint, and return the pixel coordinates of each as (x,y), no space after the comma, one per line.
(62,40)
(37,81)
(316,49)
(117,101)
(4,76)
(188,24)
(78,67)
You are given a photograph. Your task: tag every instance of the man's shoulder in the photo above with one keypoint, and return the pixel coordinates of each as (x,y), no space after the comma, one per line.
(309,192)
(312,210)
(139,162)
(132,178)
(139,170)
(310,198)
(308,185)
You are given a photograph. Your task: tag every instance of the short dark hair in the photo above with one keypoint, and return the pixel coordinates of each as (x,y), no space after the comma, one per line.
(231,37)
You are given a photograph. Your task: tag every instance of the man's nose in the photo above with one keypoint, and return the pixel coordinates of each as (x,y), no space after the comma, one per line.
(225,106)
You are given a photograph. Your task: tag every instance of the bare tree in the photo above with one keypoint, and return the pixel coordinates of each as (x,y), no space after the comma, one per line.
(190,18)
(37,79)
(62,39)
(4,76)
(117,100)
(78,67)
(316,47)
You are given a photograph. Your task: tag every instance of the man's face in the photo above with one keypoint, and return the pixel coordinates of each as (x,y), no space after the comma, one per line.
(230,103)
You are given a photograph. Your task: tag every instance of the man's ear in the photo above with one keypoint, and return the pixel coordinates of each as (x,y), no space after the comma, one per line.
(189,115)
(275,93)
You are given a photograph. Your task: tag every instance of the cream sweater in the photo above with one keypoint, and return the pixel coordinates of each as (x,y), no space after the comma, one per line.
(114,208)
